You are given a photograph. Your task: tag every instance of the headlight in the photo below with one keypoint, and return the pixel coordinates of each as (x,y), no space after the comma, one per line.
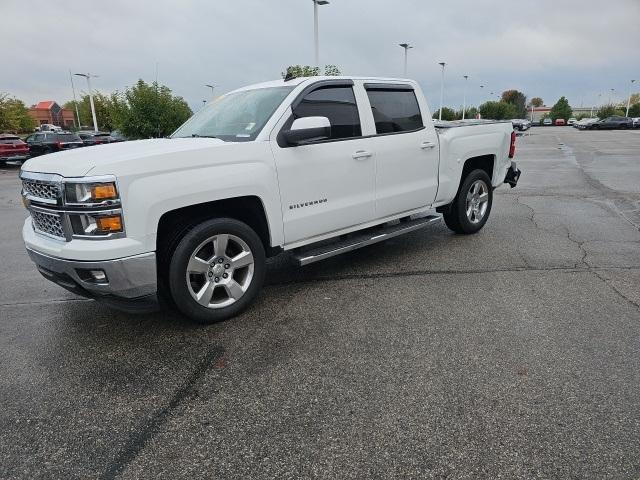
(96,224)
(83,193)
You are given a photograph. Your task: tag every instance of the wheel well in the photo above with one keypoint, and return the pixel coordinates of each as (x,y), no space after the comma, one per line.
(249,210)
(482,162)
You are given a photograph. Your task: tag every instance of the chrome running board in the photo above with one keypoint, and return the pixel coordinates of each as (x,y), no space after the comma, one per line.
(306,255)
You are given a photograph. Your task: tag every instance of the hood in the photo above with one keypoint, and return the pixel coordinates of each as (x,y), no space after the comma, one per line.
(108,158)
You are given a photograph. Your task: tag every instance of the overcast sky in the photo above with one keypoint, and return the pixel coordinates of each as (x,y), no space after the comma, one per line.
(546,48)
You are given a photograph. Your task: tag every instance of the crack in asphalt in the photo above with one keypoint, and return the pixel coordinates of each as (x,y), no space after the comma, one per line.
(615,289)
(144,433)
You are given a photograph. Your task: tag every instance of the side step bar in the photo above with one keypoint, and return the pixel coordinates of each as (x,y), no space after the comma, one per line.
(359,240)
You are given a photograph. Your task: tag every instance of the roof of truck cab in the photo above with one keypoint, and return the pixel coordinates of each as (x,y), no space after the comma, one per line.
(298,80)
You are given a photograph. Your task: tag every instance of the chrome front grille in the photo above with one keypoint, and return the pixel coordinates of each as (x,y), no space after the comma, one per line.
(49,223)
(40,189)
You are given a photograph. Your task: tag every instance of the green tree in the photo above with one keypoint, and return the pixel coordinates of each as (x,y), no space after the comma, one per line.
(470,113)
(498,111)
(608,111)
(14,115)
(295,71)
(149,110)
(634,110)
(537,102)
(447,114)
(518,100)
(561,110)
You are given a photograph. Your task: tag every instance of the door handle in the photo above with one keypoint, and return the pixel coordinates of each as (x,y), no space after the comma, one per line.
(427,145)
(361,154)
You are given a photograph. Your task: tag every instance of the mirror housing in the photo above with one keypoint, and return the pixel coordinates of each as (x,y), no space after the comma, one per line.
(307,130)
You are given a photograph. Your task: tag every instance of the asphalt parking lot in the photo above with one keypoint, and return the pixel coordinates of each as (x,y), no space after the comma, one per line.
(513,353)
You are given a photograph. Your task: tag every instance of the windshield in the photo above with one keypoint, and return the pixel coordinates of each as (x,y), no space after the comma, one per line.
(236,117)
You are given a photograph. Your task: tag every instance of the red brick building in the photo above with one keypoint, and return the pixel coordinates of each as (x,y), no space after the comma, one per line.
(50,112)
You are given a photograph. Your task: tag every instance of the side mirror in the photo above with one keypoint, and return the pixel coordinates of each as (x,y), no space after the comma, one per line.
(308,129)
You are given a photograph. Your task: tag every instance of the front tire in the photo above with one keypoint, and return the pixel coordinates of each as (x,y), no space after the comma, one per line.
(216,270)
(471,207)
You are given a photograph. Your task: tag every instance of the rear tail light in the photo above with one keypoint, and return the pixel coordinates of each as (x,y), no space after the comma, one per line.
(59,145)
(512,147)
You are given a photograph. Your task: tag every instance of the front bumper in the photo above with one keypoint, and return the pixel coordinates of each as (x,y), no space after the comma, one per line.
(14,158)
(130,281)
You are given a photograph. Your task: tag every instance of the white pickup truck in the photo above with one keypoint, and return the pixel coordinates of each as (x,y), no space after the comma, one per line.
(314,166)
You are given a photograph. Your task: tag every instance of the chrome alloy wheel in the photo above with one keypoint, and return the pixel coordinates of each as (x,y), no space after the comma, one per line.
(477,201)
(220,271)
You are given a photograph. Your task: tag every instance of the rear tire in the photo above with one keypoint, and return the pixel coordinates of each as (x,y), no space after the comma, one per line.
(471,207)
(216,270)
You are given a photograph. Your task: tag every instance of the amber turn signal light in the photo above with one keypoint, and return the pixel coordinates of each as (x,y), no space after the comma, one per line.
(106,191)
(108,224)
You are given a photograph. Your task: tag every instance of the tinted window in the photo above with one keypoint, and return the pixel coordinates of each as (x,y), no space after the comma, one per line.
(338,104)
(65,137)
(394,110)
(39,137)
(9,140)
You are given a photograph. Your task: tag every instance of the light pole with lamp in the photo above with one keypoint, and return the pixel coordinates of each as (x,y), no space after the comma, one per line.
(464,95)
(315,29)
(629,98)
(442,64)
(73,89)
(211,87)
(406,47)
(88,76)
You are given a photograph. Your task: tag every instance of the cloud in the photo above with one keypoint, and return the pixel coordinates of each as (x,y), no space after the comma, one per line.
(545,48)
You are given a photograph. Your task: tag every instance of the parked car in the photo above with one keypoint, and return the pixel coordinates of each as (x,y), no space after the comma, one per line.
(204,207)
(95,138)
(48,142)
(636,122)
(521,124)
(572,121)
(547,122)
(12,148)
(117,136)
(612,123)
(48,127)
(584,123)
(560,122)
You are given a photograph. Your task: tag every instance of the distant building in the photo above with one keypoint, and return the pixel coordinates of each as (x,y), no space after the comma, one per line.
(540,112)
(52,113)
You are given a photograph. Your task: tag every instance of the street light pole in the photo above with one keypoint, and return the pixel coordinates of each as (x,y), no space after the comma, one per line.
(315,29)
(464,95)
(211,87)
(611,97)
(629,98)
(406,47)
(75,103)
(88,76)
(442,64)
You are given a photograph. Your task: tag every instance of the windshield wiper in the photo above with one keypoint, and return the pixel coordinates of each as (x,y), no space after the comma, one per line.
(195,135)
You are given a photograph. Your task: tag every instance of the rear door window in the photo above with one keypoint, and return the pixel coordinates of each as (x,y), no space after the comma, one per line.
(394,109)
